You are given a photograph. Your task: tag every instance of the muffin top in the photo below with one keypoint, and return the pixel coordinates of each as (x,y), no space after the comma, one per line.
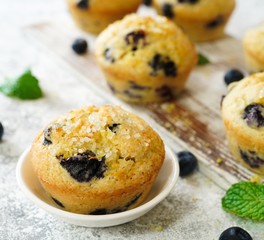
(105,5)
(243,109)
(103,147)
(144,46)
(254,42)
(196,10)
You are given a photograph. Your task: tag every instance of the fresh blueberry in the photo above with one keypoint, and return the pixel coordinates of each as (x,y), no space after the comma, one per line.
(83,4)
(233,75)
(147,2)
(254,115)
(1,131)
(235,233)
(187,163)
(83,167)
(167,10)
(188,1)
(80,46)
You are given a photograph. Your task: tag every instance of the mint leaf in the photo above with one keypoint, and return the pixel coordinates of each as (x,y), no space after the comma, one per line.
(245,199)
(24,87)
(202,60)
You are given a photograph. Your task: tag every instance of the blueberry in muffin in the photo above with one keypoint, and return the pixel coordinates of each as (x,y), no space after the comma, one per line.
(95,15)
(145,59)
(202,20)
(243,116)
(97,160)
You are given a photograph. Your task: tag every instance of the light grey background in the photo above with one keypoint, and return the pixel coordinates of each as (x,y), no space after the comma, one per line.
(192,210)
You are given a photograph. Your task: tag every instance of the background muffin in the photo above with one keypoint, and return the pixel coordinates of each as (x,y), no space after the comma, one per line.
(253,43)
(243,116)
(202,20)
(145,59)
(95,15)
(97,160)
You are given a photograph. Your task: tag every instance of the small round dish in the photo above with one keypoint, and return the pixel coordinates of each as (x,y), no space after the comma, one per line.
(31,187)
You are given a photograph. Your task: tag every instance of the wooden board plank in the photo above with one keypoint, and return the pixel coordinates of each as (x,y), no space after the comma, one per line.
(192,120)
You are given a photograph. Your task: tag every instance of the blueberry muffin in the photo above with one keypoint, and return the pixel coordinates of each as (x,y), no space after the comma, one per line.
(243,116)
(97,160)
(202,20)
(145,59)
(253,43)
(95,15)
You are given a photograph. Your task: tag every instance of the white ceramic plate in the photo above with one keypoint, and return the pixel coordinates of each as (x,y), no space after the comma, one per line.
(31,187)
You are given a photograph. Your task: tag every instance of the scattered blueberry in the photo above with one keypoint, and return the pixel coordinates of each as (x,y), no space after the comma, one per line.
(233,75)
(114,127)
(84,166)
(254,115)
(187,163)
(215,23)
(252,159)
(147,2)
(80,46)
(83,4)
(188,1)
(58,202)
(167,10)
(1,131)
(235,233)
(165,64)
(47,136)
(108,56)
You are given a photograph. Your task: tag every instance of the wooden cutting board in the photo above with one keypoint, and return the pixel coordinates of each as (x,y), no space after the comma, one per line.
(192,121)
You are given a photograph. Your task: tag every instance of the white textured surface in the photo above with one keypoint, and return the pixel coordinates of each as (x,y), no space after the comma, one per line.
(192,210)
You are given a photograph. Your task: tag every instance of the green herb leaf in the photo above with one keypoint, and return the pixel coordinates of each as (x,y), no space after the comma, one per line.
(245,199)
(203,60)
(24,87)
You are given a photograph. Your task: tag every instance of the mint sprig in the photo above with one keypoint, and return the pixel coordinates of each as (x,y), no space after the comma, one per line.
(202,59)
(246,200)
(24,87)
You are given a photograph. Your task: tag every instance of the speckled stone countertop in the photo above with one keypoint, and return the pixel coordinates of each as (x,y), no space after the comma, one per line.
(191,211)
